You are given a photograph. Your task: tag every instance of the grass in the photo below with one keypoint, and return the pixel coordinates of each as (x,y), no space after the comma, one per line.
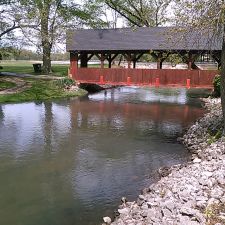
(6,84)
(40,90)
(27,68)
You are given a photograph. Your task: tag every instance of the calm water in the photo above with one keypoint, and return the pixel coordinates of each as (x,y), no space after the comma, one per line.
(70,162)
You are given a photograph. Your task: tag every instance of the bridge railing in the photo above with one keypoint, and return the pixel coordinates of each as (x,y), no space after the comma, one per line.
(150,77)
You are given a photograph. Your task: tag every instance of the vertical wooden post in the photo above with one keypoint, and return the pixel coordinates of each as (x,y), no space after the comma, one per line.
(110,60)
(128,81)
(188,83)
(129,61)
(74,64)
(134,63)
(189,65)
(159,63)
(84,60)
(102,60)
(189,61)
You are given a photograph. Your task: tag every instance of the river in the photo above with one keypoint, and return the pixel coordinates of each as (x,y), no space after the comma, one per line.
(69,162)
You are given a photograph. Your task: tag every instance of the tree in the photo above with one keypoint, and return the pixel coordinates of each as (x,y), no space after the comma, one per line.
(7,22)
(207,16)
(51,19)
(141,12)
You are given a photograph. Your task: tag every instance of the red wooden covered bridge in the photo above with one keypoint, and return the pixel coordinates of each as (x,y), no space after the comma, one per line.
(159,42)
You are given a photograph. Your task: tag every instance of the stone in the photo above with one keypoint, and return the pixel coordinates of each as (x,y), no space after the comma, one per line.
(187,211)
(142,197)
(124,200)
(197,160)
(107,220)
(216,193)
(123,211)
(166,213)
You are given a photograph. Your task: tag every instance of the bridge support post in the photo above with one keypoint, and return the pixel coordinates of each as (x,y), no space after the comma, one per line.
(84,60)
(188,83)
(102,58)
(128,81)
(101,80)
(159,63)
(110,60)
(73,65)
(129,61)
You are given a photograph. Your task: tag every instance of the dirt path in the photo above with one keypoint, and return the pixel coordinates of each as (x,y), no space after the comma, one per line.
(48,77)
(21,85)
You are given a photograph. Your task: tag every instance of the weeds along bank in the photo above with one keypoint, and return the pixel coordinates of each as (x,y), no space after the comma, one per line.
(191,194)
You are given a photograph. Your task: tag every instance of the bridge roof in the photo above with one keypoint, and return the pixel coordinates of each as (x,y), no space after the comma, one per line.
(140,39)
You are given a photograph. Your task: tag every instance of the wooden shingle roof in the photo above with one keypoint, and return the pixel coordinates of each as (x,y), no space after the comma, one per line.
(140,39)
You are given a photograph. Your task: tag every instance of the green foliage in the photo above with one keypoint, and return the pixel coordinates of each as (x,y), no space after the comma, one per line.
(174,59)
(141,13)
(65,82)
(214,138)
(216,84)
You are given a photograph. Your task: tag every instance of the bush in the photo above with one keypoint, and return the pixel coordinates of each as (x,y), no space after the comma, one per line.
(66,82)
(216,84)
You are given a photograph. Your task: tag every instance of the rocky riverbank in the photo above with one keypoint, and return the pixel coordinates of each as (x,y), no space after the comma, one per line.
(191,194)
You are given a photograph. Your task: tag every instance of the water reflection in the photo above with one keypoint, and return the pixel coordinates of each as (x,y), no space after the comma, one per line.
(68,162)
(136,94)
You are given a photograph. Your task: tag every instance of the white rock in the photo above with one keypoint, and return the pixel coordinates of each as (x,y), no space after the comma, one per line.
(107,220)
(123,211)
(197,160)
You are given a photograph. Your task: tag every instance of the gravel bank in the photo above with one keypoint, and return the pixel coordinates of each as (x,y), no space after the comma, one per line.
(188,193)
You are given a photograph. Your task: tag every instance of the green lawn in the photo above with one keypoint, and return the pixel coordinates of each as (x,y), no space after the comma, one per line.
(26,67)
(41,90)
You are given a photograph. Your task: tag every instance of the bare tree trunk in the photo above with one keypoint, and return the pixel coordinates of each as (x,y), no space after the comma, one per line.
(47,58)
(45,39)
(223,79)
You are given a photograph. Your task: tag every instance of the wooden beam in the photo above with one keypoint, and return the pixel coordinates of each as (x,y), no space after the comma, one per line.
(139,56)
(102,60)
(217,57)
(90,56)
(83,60)
(73,64)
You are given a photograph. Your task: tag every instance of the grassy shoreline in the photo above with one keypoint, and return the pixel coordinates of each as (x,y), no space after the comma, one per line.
(40,90)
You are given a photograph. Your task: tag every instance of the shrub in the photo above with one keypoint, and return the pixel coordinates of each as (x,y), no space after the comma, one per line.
(216,84)
(66,82)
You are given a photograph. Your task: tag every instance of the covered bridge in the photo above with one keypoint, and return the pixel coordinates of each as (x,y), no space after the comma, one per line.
(133,43)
